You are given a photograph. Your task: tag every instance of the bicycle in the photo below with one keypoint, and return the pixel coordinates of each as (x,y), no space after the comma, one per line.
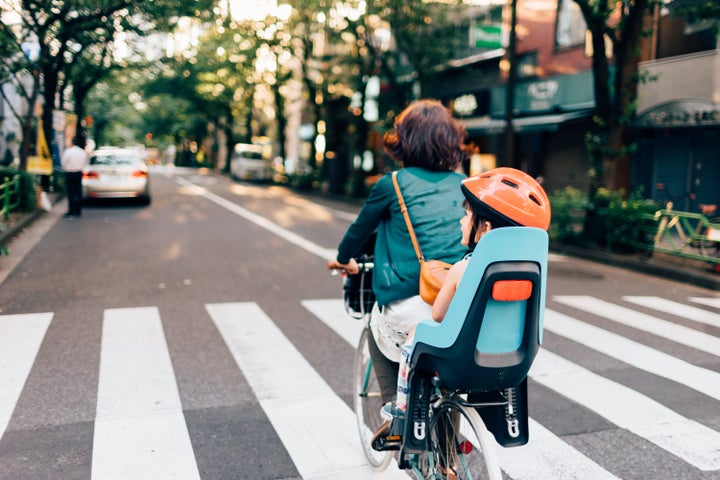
(679,231)
(465,396)
(359,300)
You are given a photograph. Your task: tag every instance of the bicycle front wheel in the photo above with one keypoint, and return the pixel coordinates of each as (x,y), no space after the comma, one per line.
(460,446)
(367,403)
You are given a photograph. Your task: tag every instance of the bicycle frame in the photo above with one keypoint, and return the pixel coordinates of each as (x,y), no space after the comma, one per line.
(427,400)
(680,231)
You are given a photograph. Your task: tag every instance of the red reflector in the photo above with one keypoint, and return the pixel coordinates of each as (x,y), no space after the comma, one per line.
(511,290)
(90,175)
(139,173)
(465,447)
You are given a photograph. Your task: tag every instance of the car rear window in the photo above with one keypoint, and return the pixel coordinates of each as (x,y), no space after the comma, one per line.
(118,159)
(251,155)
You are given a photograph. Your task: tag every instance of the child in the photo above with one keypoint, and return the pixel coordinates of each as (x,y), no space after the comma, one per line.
(499,198)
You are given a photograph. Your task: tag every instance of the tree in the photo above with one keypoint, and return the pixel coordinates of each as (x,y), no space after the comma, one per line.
(217,81)
(20,72)
(63,30)
(622,24)
(343,44)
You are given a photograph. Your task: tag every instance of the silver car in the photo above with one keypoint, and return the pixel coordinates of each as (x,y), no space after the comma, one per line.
(249,162)
(116,173)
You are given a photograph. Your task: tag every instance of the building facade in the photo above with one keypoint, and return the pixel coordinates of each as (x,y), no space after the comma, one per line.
(677,126)
(553,96)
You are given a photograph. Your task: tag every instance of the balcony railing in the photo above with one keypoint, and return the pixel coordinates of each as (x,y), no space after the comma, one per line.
(694,76)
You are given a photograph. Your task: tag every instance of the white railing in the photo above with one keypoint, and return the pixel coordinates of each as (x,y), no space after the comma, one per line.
(695,76)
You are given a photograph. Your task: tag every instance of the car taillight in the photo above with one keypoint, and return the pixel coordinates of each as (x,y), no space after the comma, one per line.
(91,175)
(138,174)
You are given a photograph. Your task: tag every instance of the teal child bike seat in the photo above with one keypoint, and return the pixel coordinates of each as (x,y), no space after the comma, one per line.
(493,327)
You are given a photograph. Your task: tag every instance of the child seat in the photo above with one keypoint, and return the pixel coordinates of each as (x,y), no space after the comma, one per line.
(493,326)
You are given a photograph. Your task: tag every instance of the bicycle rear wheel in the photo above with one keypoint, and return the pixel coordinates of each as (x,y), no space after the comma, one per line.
(460,446)
(367,403)
(708,247)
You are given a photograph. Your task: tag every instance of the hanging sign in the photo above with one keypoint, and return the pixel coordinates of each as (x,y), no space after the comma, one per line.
(41,163)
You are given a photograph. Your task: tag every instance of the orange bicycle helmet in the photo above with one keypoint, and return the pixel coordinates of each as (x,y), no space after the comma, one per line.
(508,197)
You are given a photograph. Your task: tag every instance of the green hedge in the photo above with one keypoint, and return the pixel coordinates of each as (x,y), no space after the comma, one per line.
(610,220)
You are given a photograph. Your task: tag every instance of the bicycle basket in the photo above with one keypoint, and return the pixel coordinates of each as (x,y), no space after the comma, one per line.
(358,293)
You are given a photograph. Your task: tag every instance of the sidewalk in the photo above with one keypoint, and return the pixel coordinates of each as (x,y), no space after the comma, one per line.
(661,265)
(20,221)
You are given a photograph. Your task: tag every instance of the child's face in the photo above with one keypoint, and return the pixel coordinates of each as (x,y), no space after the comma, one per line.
(466,226)
(466,223)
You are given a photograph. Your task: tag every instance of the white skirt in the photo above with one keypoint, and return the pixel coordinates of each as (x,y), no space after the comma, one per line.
(390,327)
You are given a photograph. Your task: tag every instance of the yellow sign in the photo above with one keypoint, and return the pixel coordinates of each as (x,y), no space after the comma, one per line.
(42,163)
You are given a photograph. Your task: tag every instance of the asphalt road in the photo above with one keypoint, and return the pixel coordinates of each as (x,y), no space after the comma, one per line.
(201,337)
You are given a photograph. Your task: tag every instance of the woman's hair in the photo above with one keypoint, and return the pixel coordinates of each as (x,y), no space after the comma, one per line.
(426,135)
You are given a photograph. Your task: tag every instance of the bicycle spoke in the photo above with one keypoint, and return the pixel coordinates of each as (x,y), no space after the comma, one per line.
(456,446)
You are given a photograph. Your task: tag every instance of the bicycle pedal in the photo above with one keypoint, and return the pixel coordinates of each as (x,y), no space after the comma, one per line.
(389,442)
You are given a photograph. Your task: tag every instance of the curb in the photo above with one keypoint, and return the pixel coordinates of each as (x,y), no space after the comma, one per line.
(26,220)
(659,265)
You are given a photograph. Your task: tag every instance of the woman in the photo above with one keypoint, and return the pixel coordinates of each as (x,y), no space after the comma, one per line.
(431,146)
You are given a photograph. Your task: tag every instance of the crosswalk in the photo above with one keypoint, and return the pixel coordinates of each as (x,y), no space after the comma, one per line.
(140,430)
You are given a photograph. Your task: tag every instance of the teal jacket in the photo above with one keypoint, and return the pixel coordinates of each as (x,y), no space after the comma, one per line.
(435,204)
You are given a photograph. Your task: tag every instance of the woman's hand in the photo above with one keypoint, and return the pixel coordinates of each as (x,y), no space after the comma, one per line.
(350,268)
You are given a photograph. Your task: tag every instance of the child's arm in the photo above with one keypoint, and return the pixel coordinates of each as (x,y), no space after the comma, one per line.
(447,291)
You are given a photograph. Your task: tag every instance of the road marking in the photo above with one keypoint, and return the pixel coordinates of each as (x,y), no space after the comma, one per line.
(324,253)
(693,442)
(635,354)
(140,430)
(678,309)
(545,455)
(647,323)
(332,313)
(20,340)
(316,427)
(710,302)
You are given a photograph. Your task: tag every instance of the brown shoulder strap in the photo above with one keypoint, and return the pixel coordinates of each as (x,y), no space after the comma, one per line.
(403,209)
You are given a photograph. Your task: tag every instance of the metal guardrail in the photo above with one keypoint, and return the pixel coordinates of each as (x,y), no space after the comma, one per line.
(9,196)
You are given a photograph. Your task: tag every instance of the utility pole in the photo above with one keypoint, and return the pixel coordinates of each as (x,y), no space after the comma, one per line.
(510,88)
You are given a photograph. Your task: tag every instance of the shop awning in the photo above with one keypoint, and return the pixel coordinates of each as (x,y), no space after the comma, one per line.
(484,125)
(536,123)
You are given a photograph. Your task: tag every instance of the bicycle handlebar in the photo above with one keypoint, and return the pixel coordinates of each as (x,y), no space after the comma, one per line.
(362,267)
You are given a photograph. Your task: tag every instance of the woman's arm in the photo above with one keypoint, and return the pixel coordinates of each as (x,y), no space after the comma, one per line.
(375,208)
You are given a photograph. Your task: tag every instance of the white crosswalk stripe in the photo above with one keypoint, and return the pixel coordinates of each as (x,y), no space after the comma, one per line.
(292,394)
(695,443)
(140,428)
(635,354)
(710,302)
(678,309)
(20,339)
(641,321)
(553,451)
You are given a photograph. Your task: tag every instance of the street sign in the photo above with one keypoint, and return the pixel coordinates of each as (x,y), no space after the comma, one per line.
(486,36)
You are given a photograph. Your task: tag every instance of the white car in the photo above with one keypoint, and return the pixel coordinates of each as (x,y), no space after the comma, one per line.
(116,173)
(249,162)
